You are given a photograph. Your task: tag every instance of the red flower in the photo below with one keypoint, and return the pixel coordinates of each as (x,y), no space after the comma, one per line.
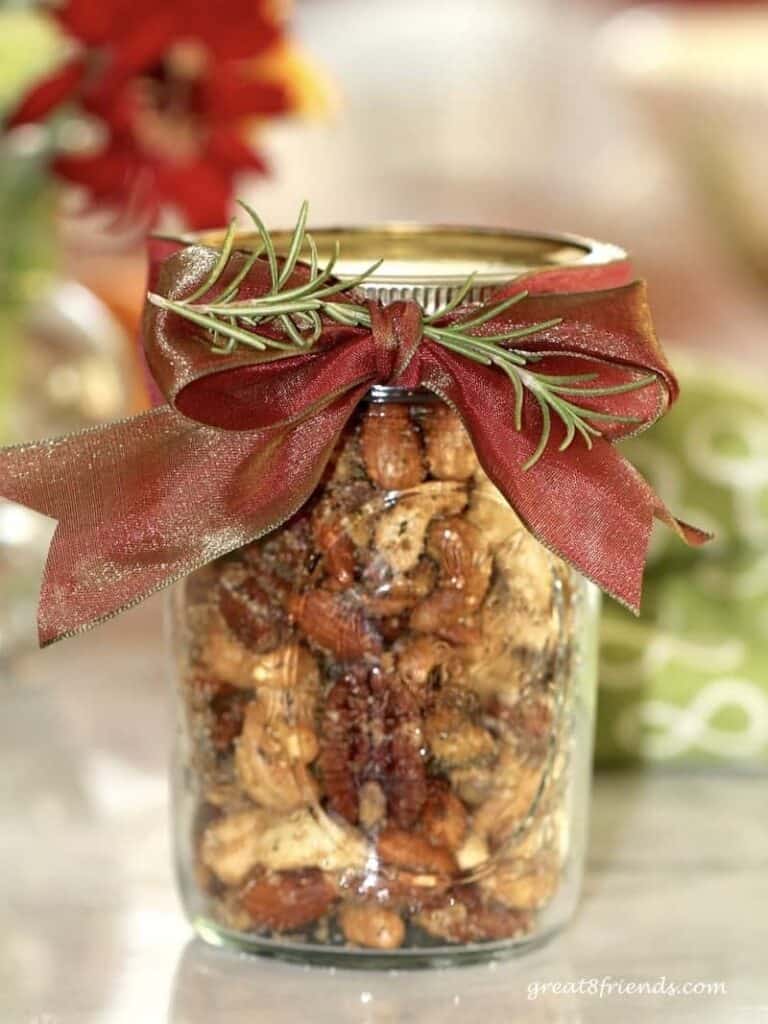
(137,32)
(170,82)
(176,138)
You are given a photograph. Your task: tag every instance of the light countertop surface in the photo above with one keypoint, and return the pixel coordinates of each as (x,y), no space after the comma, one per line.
(91,931)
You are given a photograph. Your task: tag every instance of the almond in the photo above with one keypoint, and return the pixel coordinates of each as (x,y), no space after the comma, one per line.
(414,853)
(391,447)
(287,900)
(335,623)
(443,818)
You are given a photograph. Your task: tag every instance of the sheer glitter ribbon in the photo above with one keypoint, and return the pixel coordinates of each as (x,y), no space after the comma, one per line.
(242,441)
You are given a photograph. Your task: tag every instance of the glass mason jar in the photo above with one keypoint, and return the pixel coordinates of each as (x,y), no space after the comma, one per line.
(386,704)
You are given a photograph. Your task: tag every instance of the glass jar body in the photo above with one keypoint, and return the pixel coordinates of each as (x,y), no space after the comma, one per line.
(385,715)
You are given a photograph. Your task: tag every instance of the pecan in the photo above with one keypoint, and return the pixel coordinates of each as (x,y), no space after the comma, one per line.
(283,554)
(406,781)
(460,550)
(400,531)
(228,710)
(400,750)
(443,819)
(371,731)
(344,745)
(449,450)
(391,447)
(335,623)
(375,927)
(287,900)
(332,540)
(256,620)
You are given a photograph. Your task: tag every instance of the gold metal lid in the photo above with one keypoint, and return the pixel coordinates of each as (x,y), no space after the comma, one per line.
(428,263)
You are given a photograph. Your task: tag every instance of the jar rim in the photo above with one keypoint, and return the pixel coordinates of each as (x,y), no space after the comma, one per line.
(434,254)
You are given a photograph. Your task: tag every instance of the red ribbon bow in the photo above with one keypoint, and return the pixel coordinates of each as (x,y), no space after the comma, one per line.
(244,440)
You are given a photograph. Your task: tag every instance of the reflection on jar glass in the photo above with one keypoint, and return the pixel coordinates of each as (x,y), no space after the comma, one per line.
(386,713)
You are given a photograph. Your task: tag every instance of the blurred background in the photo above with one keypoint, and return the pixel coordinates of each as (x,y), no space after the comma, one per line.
(641,124)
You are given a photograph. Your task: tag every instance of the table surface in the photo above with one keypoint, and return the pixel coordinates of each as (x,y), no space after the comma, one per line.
(91,932)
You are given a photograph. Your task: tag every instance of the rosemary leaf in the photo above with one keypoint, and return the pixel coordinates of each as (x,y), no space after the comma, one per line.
(221,262)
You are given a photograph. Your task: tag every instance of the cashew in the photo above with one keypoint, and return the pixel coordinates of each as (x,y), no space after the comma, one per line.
(372,926)
(234,845)
(271,757)
(455,740)
(523,885)
(401,529)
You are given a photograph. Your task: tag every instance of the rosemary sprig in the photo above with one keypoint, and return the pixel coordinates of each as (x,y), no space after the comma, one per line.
(298,312)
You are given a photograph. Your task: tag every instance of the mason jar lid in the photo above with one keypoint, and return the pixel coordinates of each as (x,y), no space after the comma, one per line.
(429,263)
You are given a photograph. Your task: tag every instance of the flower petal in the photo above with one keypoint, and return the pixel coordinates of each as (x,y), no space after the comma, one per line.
(230,92)
(141,45)
(249,28)
(232,151)
(54,90)
(93,23)
(201,190)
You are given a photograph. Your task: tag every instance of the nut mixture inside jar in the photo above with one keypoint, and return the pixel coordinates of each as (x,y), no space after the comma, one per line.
(378,706)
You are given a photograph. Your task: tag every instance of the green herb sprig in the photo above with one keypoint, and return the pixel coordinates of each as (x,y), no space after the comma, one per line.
(297,312)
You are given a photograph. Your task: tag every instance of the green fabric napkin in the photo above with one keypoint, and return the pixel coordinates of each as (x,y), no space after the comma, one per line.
(688,681)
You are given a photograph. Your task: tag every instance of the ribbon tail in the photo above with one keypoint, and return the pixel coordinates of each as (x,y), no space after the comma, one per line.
(145,501)
(693,536)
